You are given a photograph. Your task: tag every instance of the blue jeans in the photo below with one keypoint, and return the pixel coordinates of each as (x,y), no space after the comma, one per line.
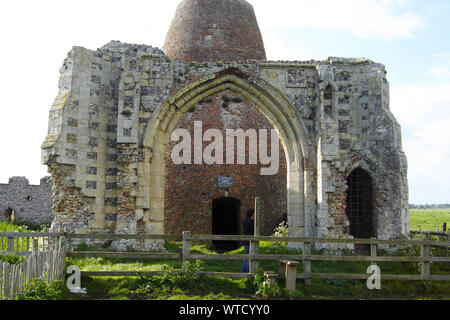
(244,268)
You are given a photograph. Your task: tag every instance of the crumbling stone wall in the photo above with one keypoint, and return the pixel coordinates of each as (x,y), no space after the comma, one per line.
(360,131)
(32,204)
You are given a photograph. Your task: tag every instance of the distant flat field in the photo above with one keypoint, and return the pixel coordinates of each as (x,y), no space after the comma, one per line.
(429,219)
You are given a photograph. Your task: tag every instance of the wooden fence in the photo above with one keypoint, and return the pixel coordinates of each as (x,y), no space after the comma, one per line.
(439,235)
(306,256)
(48,264)
(43,243)
(24,243)
(429,234)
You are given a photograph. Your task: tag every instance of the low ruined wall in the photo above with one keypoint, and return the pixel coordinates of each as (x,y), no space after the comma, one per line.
(32,204)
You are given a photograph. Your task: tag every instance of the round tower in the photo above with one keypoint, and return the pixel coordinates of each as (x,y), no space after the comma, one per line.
(214,30)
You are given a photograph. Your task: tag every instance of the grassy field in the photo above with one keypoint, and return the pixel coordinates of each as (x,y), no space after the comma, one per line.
(429,219)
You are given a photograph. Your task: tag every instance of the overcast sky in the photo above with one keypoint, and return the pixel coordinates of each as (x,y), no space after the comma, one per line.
(411,37)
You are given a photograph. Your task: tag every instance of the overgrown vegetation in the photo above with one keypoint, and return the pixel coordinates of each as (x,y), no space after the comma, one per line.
(281,231)
(6,226)
(11,259)
(41,290)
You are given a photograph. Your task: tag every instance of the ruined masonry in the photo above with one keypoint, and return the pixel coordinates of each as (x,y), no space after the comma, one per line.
(342,173)
(31,204)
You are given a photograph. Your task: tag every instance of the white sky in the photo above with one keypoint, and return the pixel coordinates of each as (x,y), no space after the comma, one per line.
(37,35)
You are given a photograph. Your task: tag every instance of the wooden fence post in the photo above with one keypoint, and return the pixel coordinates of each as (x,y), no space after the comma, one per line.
(10,244)
(373,251)
(186,249)
(35,244)
(254,245)
(425,253)
(1,280)
(447,238)
(282,272)
(307,262)
(291,275)
(6,280)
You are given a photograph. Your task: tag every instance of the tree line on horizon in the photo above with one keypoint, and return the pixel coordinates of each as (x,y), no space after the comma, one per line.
(430,206)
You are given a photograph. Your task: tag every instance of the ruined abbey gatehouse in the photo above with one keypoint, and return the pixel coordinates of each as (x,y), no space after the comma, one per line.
(342,171)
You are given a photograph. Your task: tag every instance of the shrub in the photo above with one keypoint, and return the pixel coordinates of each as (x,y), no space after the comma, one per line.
(7,226)
(265,288)
(12,259)
(183,280)
(82,247)
(282,231)
(175,279)
(41,290)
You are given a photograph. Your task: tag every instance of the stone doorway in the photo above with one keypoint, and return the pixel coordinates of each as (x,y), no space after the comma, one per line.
(226,221)
(359,204)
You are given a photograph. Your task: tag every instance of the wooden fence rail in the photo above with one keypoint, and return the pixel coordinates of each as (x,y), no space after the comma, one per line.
(287,261)
(24,243)
(46,265)
(306,257)
(445,234)
(431,233)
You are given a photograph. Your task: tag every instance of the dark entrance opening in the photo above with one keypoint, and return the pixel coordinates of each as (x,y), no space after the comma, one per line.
(8,214)
(226,221)
(359,204)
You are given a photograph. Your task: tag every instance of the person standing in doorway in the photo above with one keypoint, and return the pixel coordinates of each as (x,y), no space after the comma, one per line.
(248,228)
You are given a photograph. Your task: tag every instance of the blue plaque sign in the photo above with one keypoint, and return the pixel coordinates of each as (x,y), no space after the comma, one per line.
(225,182)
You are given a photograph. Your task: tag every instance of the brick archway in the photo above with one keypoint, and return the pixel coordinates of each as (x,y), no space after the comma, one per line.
(279,111)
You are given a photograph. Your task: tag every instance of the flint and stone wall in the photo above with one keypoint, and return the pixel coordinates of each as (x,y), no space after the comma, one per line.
(108,179)
(32,204)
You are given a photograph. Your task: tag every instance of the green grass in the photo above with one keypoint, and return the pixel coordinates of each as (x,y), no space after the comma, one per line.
(6,226)
(131,287)
(160,288)
(216,289)
(429,219)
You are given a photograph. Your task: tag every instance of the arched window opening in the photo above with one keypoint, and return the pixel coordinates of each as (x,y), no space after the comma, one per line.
(359,204)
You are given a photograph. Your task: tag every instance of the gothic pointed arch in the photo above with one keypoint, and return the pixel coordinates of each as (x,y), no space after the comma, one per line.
(300,156)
